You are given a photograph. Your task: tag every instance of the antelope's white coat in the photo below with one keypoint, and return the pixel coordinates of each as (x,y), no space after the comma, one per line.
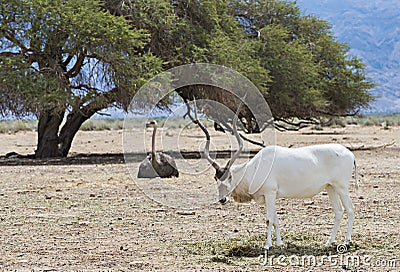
(277,172)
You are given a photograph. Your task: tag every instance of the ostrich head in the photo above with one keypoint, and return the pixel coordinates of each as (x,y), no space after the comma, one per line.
(152,124)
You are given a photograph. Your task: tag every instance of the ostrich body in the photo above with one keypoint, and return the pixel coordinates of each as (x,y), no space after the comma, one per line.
(157,164)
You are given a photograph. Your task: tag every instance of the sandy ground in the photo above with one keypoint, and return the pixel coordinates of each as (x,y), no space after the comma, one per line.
(91,214)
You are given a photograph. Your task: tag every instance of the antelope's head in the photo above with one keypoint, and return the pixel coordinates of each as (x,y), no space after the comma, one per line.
(223,175)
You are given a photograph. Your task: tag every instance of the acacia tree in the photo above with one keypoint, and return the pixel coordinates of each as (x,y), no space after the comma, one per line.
(73,58)
(188,31)
(304,74)
(313,75)
(69,58)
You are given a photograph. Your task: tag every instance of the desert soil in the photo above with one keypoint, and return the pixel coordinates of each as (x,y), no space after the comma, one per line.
(88,213)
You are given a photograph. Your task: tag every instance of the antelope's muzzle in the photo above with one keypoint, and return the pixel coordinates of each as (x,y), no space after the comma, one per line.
(224,200)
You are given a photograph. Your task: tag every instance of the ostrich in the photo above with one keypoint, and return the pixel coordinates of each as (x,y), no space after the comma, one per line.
(157,164)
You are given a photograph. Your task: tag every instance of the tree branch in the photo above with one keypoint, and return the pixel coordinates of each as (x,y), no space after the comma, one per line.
(363,147)
(84,86)
(280,128)
(101,101)
(9,54)
(74,71)
(67,61)
(11,38)
(336,114)
(226,126)
(296,125)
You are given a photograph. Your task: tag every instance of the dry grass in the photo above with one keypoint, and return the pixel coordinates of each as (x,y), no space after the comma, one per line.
(89,215)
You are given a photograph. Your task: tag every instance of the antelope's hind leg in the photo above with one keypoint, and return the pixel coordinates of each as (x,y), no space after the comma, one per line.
(349,207)
(337,209)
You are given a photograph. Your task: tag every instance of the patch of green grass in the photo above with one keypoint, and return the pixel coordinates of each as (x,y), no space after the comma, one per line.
(14,126)
(233,247)
(102,124)
(317,127)
(296,243)
(339,122)
(384,120)
(376,119)
(221,259)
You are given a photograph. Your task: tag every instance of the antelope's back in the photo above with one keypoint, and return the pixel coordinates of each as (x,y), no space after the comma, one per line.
(304,171)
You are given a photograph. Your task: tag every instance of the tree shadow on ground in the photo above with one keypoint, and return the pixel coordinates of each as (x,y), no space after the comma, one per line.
(15,159)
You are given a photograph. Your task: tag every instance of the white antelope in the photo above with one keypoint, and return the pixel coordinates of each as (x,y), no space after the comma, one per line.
(279,172)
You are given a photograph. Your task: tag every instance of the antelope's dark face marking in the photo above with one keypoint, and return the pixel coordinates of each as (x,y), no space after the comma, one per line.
(221,174)
(223,177)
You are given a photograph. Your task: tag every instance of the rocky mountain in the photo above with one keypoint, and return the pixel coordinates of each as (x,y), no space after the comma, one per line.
(372,30)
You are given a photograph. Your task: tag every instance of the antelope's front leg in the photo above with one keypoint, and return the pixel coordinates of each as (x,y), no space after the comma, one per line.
(270,200)
(277,231)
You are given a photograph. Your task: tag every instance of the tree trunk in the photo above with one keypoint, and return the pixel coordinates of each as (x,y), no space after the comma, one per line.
(74,121)
(80,114)
(49,123)
(54,144)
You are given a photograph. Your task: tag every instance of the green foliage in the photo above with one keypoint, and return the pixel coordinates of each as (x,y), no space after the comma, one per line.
(60,54)
(294,59)
(313,75)
(293,92)
(84,56)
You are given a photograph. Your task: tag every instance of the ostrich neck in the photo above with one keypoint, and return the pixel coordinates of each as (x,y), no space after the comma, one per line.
(153,146)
